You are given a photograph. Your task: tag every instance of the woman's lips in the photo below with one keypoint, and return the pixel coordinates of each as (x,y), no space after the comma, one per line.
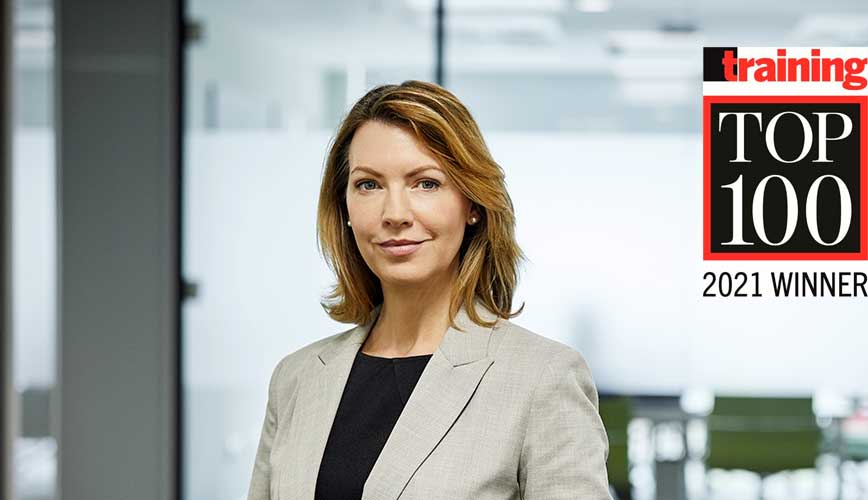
(401,250)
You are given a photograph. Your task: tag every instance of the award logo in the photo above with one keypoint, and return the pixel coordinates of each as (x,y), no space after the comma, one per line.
(785,170)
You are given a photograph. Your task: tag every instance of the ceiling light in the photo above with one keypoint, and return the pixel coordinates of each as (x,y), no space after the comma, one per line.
(593,5)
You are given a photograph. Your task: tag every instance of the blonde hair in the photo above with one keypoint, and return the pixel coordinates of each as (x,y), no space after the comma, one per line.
(489,255)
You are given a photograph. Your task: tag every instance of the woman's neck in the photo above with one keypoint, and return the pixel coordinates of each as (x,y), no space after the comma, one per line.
(411,321)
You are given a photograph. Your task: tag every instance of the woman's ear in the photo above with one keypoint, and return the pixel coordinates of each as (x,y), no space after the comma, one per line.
(475,214)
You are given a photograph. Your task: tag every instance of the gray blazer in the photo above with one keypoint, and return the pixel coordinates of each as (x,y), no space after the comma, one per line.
(498,413)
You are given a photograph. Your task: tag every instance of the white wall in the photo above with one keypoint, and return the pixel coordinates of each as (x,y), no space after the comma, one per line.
(34,253)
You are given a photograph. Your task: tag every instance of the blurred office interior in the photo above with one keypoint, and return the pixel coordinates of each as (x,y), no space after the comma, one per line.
(161,193)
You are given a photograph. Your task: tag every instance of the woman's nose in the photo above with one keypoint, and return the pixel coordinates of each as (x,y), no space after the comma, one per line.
(397,209)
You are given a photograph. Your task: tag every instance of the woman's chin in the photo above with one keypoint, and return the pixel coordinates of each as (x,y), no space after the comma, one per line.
(406,278)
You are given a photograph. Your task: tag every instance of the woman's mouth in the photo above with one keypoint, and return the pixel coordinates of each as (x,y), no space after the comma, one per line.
(401,250)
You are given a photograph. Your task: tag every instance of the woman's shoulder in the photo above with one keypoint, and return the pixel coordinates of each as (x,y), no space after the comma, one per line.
(285,373)
(546,369)
(528,351)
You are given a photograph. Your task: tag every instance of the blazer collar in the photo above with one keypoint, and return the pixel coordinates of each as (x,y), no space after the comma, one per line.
(446,385)
(459,347)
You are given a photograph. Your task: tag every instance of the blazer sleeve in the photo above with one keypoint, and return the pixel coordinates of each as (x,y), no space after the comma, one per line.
(565,446)
(260,482)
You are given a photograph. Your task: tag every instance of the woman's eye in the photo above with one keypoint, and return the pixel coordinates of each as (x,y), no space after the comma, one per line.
(426,184)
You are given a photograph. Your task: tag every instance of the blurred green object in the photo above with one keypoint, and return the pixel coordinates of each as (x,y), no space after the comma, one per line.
(762,435)
(616,412)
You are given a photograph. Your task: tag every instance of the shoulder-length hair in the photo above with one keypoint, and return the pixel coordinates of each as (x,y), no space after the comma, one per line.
(489,255)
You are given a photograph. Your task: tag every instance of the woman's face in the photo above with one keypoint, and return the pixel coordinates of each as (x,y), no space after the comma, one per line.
(397,191)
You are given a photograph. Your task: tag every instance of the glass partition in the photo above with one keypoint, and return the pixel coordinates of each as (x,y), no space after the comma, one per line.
(592,108)
(267,84)
(34,243)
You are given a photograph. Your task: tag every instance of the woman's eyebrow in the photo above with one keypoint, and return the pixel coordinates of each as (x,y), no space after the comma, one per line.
(409,174)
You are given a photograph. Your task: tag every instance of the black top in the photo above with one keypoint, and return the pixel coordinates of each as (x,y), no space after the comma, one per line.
(374,397)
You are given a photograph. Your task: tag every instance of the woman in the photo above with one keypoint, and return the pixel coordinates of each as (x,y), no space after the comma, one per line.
(436,393)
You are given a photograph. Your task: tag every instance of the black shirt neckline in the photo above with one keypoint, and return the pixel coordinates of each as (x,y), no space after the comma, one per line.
(406,358)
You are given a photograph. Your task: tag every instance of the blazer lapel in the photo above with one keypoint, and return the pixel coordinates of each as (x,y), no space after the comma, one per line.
(442,392)
(318,400)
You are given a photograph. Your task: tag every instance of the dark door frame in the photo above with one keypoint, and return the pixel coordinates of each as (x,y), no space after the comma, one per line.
(6,390)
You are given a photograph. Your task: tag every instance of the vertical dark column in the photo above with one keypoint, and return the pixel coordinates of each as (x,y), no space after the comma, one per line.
(181,36)
(440,43)
(7,392)
(118,170)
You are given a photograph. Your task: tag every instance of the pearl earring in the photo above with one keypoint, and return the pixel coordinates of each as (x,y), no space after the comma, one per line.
(349,223)
(473,220)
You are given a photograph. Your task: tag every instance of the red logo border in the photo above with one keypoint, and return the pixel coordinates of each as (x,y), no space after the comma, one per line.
(707,100)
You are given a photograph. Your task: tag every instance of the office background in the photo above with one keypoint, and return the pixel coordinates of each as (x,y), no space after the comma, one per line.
(163,183)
